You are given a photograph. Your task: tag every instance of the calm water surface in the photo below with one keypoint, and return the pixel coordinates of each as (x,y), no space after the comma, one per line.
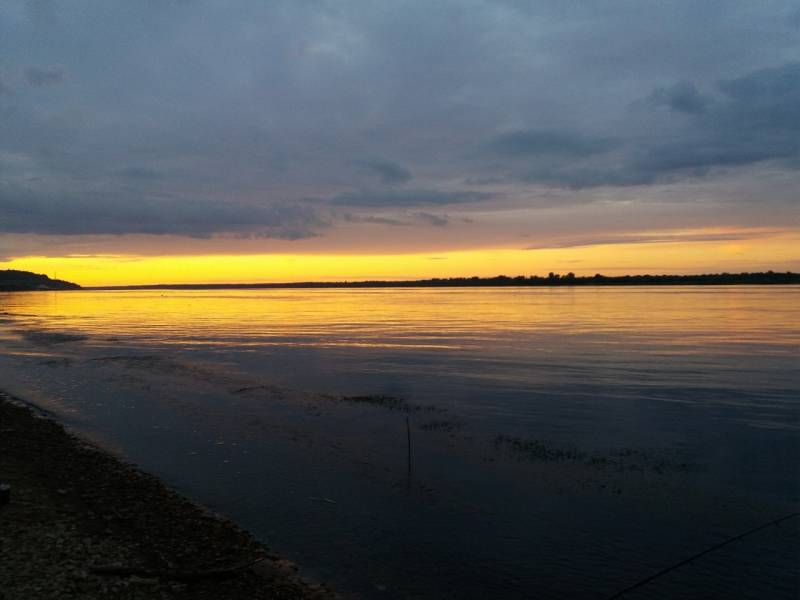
(565,442)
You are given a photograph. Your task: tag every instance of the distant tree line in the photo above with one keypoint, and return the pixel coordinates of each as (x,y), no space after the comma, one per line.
(556,279)
(552,279)
(12,280)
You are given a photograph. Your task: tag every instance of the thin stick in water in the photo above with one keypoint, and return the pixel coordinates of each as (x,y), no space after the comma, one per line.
(408,434)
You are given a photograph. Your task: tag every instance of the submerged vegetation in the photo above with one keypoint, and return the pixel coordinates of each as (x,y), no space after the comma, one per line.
(622,460)
(440,425)
(390,402)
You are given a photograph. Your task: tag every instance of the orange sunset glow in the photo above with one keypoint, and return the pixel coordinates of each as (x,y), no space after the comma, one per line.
(777,251)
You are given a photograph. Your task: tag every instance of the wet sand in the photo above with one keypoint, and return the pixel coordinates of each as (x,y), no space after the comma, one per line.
(76,511)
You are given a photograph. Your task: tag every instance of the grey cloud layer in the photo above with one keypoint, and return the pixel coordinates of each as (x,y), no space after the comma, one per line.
(202,117)
(38,76)
(406,198)
(740,121)
(744,120)
(25,211)
(659,238)
(388,171)
(562,144)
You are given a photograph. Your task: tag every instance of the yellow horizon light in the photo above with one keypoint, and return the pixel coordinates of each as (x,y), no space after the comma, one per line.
(780,253)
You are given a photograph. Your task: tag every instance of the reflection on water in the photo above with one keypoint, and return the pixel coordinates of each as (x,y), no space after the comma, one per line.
(675,315)
(567,442)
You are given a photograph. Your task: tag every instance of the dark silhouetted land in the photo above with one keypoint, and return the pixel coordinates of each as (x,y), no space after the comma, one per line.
(553,279)
(24,281)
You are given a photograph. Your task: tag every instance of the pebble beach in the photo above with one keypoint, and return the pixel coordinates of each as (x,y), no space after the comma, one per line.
(81,523)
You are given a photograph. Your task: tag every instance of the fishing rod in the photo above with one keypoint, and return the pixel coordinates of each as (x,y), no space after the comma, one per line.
(699,554)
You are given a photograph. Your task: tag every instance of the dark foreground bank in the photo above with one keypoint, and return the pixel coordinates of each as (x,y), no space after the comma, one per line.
(82,524)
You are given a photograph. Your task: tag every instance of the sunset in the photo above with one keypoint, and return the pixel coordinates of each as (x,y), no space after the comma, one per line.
(399,299)
(518,137)
(689,251)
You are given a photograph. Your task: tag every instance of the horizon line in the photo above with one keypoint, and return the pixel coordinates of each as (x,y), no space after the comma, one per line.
(553,279)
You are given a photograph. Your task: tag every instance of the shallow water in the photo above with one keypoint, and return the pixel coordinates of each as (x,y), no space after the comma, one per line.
(566,442)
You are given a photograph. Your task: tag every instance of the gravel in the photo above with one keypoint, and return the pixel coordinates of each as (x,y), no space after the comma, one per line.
(73,507)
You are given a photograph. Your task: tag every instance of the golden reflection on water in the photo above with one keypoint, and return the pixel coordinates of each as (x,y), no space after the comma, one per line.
(447,318)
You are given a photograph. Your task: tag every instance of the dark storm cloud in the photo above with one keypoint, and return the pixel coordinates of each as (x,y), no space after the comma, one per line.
(794,18)
(682,97)
(353,218)
(738,122)
(435,220)
(200,117)
(142,173)
(745,120)
(37,76)
(407,198)
(41,12)
(580,178)
(26,211)
(405,220)
(563,144)
(4,89)
(388,171)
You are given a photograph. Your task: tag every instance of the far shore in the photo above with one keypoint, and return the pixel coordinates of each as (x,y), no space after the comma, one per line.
(19,281)
(81,523)
(551,280)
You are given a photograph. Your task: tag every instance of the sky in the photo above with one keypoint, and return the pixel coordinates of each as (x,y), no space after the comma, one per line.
(165,141)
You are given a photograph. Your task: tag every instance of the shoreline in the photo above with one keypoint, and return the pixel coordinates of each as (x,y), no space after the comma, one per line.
(501,281)
(75,507)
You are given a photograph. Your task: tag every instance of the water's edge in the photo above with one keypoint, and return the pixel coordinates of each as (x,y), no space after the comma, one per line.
(92,496)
